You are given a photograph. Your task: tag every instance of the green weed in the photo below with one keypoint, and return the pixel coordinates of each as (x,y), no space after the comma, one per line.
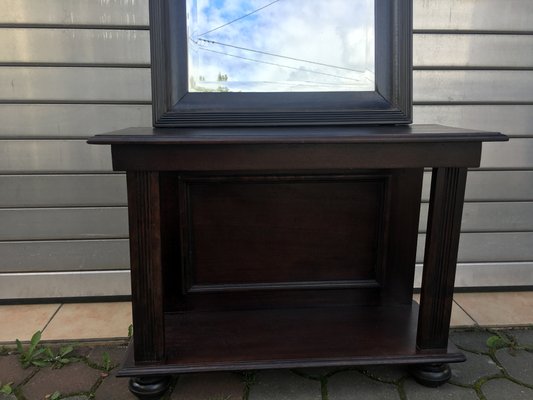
(33,355)
(107,364)
(6,388)
(40,356)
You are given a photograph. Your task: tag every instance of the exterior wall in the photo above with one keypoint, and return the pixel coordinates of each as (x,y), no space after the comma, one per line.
(68,69)
(474,69)
(73,68)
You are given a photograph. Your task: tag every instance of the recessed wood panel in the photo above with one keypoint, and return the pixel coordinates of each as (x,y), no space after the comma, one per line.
(286,231)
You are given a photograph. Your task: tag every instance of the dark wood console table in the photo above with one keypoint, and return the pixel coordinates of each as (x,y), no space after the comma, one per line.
(290,247)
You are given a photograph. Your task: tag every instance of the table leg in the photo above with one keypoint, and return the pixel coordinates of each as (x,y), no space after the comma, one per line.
(440,261)
(146,269)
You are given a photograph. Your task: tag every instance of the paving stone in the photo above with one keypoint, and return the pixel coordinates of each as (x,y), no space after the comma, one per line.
(471,340)
(500,389)
(114,388)
(473,368)
(284,385)
(415,391)
(12,371)
(116,354)
(72,378)
(209,386)
(389,373)
(518,364)
(524,337)
(76,398)
(353,385)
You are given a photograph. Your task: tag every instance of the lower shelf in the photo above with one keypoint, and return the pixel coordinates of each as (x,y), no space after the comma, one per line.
(290,338)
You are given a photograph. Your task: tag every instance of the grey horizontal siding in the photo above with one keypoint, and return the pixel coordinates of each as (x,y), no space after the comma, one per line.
(491,217)
(490,275)
(59,196)
(472,86)
(96,46)
(53,156)
(467,50)
(489,247)
(492,186)
(63,223)
(516,153)
(465,69)
(485,15)
(69,120)
(75,12)
(35,285)
(513,120)
(86,267)
(79,84)
(62,190)
(66,255)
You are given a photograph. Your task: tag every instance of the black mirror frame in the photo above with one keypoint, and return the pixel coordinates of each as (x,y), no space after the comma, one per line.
(174,106)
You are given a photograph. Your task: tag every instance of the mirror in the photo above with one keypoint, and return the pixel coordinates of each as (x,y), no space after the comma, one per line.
(280,62)
(280,45)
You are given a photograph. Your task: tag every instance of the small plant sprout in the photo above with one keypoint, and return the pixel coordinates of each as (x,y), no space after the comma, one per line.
(107,363)
(33,355)
(6,388)
(498,342)
(54,396)
(61,358)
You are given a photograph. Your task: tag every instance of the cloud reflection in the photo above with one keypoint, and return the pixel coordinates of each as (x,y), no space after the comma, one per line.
(281,45)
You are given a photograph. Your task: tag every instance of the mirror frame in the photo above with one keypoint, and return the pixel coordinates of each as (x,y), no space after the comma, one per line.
(174,106)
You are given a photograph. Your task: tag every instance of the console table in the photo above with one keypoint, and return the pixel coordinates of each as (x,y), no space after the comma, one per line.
(290,247)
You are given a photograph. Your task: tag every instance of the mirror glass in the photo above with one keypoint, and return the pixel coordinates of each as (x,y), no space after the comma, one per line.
(281,45)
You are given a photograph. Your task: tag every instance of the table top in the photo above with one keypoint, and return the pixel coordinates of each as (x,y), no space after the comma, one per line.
(297,135)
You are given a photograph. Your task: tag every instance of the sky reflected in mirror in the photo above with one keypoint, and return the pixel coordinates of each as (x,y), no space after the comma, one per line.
(281,45)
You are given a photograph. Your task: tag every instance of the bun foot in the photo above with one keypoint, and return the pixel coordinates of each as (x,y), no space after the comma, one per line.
(431,375)
(149,387)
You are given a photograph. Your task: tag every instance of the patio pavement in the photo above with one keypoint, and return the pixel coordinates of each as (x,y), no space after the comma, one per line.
(495,330)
